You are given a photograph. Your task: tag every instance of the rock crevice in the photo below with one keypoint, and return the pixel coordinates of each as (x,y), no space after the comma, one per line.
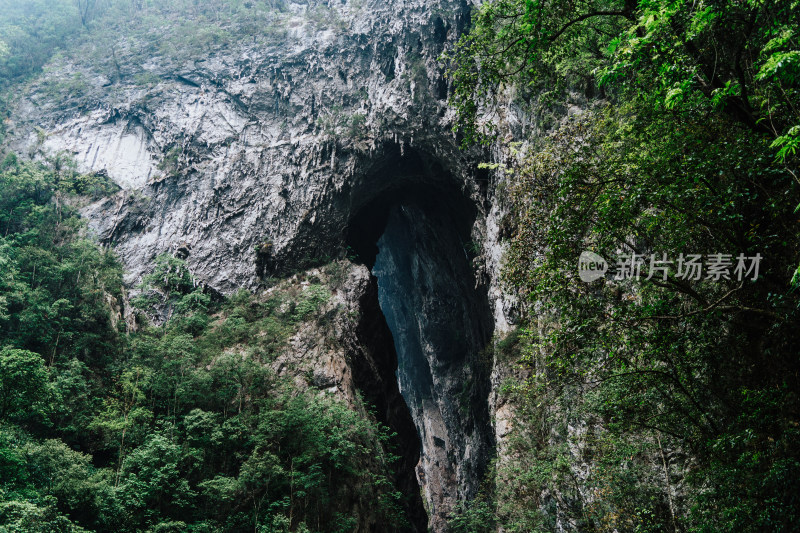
(441,324)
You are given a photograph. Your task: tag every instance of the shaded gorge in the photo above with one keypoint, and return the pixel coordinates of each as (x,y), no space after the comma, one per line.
(416,241)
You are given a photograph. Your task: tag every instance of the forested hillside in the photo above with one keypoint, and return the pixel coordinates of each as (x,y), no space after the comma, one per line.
(194,339)
(678,393)
(183,427)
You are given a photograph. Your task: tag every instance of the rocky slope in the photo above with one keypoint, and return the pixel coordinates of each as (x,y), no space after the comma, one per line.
(348,351)
(264,157)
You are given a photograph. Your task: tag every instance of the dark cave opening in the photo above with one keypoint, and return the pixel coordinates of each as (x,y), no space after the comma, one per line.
(415,238)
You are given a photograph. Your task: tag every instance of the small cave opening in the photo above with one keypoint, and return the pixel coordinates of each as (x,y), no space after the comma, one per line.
(415,237)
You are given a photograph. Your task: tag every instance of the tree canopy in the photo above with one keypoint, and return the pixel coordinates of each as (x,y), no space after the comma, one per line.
(180,427)
(683,142)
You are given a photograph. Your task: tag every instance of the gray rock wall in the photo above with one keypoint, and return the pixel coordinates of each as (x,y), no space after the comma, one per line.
(259,159)
(441,324)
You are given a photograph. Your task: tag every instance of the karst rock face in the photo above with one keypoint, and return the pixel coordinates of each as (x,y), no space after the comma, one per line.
(332,141)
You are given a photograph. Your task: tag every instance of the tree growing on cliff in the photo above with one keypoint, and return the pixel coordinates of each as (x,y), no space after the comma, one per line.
(180,427)
(684,145)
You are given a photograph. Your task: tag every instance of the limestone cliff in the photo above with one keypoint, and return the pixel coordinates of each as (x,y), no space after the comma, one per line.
(331,140)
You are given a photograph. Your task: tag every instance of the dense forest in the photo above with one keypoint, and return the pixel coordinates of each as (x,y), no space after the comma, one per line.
(175,428)
(687,144)
(658,129)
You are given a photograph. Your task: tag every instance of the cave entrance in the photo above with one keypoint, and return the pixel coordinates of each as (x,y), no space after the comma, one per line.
(415,237)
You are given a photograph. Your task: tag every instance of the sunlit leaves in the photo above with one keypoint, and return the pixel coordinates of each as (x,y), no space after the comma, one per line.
(787,144)
(547,46)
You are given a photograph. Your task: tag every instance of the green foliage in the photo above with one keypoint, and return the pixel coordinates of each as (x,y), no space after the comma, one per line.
(656,383)
(169,165)
(117,37)
(663,360)
(30,32)
(122,35)
(23,384)
(475,516)
(787,143)
(545,48)
(180,427)
(737,58)
(356,126)
(335,123)
(54,282)
(65,89)
(41,517)
(311,299)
